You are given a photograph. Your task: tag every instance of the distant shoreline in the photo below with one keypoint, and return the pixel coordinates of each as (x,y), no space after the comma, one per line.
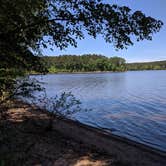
(88,72)
(91,72)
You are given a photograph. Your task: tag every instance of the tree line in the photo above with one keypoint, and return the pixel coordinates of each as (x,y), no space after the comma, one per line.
(95,62)
(83,63)
(157,65)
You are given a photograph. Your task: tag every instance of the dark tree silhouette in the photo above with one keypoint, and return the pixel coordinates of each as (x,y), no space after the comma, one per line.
(27,24)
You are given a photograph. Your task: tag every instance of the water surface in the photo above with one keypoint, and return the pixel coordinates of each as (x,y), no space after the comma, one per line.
(129,104)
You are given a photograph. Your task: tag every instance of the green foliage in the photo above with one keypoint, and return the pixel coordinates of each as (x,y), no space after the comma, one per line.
(93,62)
(25,87)
(84,63)
(2,163)
(62,105)
(7,81)
(158,65)
(20,87)
(52,70)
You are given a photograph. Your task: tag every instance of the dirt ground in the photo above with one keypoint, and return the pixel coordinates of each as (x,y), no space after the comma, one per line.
(25,141)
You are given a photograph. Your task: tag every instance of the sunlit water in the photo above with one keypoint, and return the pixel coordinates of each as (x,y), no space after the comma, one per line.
(129,104)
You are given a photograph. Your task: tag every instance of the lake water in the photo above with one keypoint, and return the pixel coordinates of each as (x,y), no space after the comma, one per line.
(129,104)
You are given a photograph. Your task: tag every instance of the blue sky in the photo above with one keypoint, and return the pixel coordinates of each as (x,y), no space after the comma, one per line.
(141,51)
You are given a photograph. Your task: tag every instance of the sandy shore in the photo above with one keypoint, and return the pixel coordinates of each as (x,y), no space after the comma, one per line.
(26,140)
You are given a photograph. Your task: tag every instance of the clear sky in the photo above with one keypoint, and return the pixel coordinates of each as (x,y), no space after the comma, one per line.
(141,51)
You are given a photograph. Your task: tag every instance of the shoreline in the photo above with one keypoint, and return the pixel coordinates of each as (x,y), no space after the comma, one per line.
(112,136)
(88,72)
(127,151)
(103,133)
(93,72)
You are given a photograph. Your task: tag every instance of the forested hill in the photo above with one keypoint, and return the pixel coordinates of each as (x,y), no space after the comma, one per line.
(94,62)
(83,63)
(156,65)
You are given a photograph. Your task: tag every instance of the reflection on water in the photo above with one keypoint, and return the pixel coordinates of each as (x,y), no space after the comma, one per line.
(130,104)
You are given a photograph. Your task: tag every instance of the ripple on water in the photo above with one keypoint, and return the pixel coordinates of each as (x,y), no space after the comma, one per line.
(129,104)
